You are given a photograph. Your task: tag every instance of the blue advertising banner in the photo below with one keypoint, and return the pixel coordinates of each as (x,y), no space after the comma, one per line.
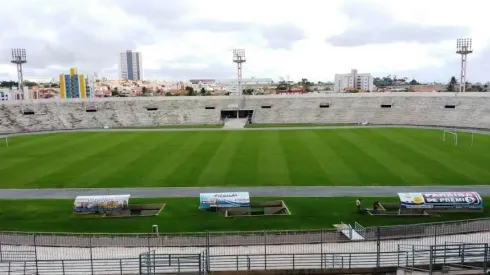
(224,200)
(441,200)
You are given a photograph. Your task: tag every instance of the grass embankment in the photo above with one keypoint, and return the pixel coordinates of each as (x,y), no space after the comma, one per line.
(182,215)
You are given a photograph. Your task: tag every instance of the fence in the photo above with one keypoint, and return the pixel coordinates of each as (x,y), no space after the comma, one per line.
(119,253)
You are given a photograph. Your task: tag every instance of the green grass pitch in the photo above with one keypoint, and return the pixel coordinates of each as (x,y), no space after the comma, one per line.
(244,158)
(182,215)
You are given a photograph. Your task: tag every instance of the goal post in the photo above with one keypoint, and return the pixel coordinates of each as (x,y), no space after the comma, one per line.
(452,133)
(6,138)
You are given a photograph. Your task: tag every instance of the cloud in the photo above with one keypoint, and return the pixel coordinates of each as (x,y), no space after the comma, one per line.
(371,24)
(194,38)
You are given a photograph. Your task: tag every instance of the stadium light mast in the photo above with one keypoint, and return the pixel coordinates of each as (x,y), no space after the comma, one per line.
(463,48)
(19,57)
(239,59)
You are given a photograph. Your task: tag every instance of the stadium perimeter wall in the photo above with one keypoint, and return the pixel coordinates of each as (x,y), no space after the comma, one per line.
(471,110)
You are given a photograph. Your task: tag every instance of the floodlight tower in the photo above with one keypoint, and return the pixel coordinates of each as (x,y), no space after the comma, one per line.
(463,47)
(19,57)
(239,59)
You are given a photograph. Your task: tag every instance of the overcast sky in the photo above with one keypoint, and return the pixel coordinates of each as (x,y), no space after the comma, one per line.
(182,39)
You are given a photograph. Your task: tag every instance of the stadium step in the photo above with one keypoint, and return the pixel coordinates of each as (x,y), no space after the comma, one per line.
(235,123)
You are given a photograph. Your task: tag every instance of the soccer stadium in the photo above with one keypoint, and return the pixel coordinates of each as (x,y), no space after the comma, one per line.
(370,183)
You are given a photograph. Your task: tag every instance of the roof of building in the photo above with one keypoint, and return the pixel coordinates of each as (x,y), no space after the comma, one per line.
(40,79)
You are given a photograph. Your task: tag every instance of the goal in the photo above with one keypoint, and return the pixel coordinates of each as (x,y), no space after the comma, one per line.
(446,134)
(450,133)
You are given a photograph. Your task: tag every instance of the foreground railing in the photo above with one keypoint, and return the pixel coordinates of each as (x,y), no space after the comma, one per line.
(153,263)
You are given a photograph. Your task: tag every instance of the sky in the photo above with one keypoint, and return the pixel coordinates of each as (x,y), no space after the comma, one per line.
(184,39)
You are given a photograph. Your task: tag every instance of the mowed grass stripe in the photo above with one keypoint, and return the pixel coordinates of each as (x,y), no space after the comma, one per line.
(215,171)
(272,168)
(472,172)
(390,163)
(374,169)
(136,159)
(175,152)
(188,171)
(436,172)
(476,154)
(332,166)
(47,161)
(24,143)
(243,169)
(182,166)
(339,171)
(105,163)
(388,156)
(26,148)
(303,167)
(73,164)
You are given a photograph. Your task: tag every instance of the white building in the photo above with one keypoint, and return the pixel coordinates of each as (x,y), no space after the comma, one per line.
(14,94)
(353,80)
(130,66)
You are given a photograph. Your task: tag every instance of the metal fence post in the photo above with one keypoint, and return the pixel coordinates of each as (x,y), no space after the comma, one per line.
(265,249)
(485,258)
(435,234)
(91,256)
(378,246)
(148,240)
(321,249)
(431,259)
(208,244)
(35,253)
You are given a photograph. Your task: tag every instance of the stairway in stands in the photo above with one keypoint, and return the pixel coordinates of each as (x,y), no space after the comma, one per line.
(235,123)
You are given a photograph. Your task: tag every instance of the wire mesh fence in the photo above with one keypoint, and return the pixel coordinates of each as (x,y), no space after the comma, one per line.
(248,249)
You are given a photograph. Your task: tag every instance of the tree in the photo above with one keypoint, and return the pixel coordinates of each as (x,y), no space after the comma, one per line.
(306,84)
(414,82)
(8,84)
(451,84)
(203,91)
(144,90)
(248,91)
(115,92)
(190,90)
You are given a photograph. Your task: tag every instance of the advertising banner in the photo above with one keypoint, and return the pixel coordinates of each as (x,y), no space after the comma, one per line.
(441,200)
(94,204)
(224,200)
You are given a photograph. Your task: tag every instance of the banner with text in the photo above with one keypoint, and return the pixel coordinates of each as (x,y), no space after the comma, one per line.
(441,200)
(224,200)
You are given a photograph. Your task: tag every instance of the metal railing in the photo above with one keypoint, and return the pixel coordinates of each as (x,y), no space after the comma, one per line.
(151,263)
(246,250)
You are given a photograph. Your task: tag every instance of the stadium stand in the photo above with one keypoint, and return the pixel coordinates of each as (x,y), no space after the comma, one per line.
(469,110)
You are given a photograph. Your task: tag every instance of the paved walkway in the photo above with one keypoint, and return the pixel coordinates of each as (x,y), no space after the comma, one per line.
(279,191)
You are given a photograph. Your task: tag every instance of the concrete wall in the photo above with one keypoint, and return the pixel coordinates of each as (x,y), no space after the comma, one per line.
(472,110)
